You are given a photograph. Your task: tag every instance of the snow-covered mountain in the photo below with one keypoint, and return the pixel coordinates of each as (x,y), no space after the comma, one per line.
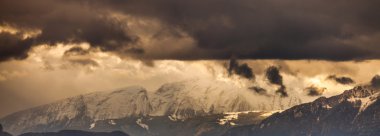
(137,111)
(355,112)
(204,97)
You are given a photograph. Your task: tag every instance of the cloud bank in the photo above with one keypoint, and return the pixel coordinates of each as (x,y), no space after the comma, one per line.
(194,30)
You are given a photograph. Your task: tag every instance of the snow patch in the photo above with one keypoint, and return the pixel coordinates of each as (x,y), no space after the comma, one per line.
(141,124)
(228,117)
(92,126)
(271,113)
(232,124)
(174,117)
(112,122)
(364,102)
(262,125)
(327,106)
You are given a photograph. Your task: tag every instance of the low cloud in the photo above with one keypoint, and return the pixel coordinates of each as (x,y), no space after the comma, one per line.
(240,69)
(314,90)
(341,80)
(62,22)
(282,91)
(273,75)
(259,90)
(76,51)
(79,56)
(257,29)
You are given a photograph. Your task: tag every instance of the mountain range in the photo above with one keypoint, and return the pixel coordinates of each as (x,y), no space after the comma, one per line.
(193,107)
(200,108)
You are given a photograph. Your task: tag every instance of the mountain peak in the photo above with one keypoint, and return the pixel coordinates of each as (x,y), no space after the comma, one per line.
(361,91)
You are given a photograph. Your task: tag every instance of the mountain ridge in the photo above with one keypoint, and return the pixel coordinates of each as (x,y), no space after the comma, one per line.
(355,112)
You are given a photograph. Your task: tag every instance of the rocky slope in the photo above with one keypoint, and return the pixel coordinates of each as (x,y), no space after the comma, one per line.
(3,133)
(356,112)
(181,108)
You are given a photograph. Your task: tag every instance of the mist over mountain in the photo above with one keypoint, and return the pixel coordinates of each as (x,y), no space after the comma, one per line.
(206,108)
(227,106)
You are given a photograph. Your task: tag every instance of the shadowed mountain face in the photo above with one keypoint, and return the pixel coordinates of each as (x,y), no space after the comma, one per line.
(2,133)
(356,112)
(76,133)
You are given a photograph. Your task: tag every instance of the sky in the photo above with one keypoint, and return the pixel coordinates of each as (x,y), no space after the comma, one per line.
(54,49)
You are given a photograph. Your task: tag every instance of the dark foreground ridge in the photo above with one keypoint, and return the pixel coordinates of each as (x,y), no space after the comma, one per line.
(2,133)
(68,133)
(76,133)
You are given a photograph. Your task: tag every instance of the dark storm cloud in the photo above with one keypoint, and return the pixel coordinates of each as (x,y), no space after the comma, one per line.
(259,90)
(272,29)
(84,62)
(242,70)
(282,91)
(76,51)
(341,80)
(79,56)
(375,82)
(273,75)
(14,46)
(314,91)
(249,29)
(61,22)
